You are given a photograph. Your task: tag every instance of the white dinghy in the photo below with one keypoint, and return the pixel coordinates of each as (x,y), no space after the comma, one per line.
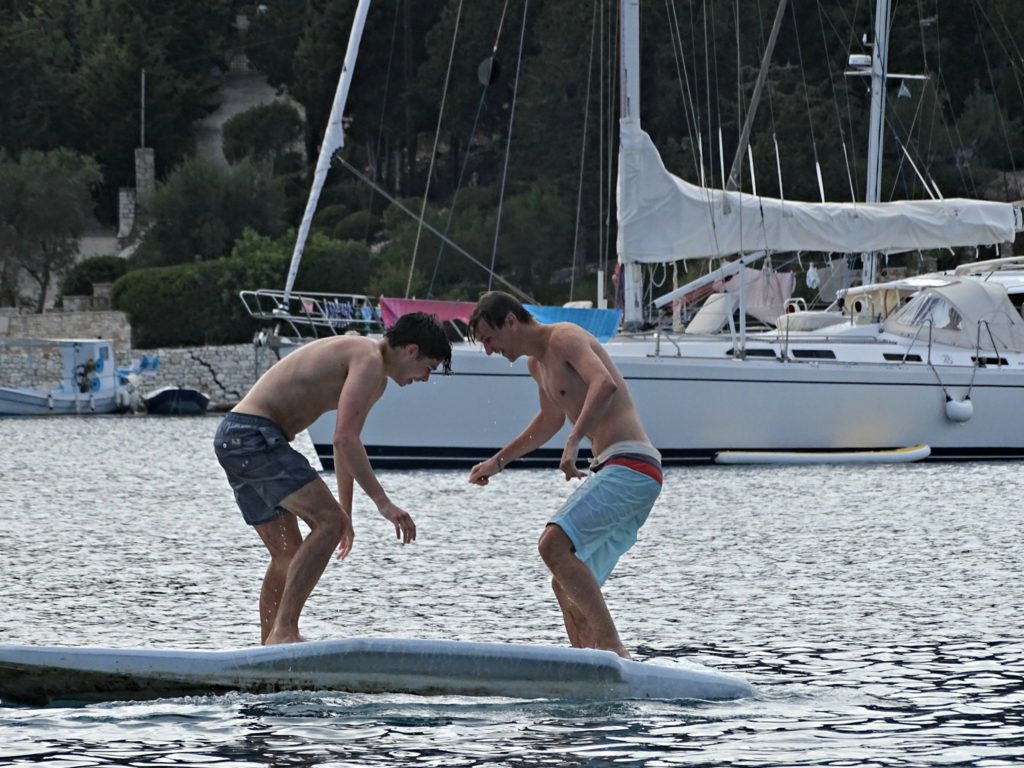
(42,674)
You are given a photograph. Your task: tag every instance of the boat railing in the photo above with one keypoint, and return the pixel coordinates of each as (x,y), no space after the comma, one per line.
(979,361)
(660,336)
(305,315)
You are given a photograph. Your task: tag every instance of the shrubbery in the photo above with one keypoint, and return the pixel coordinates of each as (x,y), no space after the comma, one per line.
(96,269)
(199,304)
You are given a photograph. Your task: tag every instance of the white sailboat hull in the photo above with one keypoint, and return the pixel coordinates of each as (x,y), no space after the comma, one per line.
(696,406)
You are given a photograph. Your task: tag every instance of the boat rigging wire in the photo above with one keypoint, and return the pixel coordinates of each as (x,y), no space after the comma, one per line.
(455,195)
(807,103)
(508,145)
(691,114)
(405,209)
(835,103)
(583,155)
(715,100)
(433,152)
(379,149)
(486,83)
(995,99)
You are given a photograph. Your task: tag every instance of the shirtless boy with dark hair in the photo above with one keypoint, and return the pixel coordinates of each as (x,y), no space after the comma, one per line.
(274,484)
(599,522)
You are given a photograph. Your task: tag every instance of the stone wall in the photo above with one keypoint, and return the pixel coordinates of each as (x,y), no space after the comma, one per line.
(70,325)
(224,373)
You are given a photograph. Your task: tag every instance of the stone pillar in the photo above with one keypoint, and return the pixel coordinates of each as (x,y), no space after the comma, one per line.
(125,211)
(145,175)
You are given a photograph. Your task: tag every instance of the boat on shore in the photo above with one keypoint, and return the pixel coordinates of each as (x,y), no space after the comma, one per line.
(62,377)
(175,401)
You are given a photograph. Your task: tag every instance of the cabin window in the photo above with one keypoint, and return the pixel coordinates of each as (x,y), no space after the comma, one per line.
(983,361)
(753,353)
(893,357)
(814,354)
(931,308)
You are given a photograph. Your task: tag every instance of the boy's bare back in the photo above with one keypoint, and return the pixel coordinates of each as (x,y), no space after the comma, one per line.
(308,381)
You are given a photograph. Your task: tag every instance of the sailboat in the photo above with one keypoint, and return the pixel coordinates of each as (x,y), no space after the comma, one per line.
(944,371)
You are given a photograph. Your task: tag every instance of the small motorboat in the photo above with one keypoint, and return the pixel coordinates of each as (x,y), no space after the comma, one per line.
(176,401)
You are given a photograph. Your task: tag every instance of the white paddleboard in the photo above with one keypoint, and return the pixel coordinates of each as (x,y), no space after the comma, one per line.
(892,456)
(42,674)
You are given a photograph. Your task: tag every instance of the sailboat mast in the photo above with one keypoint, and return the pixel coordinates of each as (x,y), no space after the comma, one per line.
(629,112)
(334,139)
(876,133)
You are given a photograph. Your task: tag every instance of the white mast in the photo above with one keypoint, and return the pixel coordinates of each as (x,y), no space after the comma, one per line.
(632,272)
(876,132)
(334,139)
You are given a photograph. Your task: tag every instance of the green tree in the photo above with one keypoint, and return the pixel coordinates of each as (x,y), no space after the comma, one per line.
(70,77)
(181,46)
(263,134)
(198,303)
(202,209)
(37,74)
(272,37)
(45,202)
(96,269)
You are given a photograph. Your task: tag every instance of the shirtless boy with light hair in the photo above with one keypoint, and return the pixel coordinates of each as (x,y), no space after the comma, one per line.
(599,522)
(274,484)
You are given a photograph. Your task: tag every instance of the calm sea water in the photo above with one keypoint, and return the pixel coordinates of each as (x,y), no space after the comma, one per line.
(876,609)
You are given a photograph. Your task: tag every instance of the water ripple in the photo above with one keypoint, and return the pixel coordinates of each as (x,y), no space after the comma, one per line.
(876,610)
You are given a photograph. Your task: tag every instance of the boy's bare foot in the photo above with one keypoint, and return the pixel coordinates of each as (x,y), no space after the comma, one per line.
(281,638)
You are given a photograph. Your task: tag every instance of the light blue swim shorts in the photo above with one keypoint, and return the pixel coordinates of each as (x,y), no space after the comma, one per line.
(604,514)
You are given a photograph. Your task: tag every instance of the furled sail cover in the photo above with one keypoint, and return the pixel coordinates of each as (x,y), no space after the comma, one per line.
(663,218)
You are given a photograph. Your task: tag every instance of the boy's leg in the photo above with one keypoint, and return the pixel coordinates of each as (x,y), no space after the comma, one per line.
(318,508)
(581,589)
(282,539)
(574,622)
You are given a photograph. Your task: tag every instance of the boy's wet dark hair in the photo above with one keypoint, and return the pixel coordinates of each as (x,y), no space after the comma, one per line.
(494,307)
(424,331)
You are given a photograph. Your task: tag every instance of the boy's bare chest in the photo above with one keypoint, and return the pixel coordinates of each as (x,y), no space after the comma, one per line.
(559,381)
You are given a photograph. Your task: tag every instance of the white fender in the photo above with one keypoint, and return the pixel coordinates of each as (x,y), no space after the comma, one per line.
(959,410)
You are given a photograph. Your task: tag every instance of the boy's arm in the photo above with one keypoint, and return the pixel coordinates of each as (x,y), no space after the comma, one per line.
(345,497)
(344,485)
(575,349)
(542,428)
(363,387)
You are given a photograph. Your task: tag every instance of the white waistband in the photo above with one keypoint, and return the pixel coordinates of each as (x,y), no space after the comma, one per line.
(626,446)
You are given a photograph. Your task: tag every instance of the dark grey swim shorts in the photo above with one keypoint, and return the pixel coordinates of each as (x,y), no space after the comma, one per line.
(261,465)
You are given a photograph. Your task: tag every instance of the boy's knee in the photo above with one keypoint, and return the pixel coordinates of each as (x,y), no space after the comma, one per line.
(553,544)
(330,524)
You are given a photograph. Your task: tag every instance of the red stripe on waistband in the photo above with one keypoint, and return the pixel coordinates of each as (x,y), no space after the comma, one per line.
(648,468)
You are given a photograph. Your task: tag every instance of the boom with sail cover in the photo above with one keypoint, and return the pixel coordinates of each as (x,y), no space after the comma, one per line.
(662,218)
